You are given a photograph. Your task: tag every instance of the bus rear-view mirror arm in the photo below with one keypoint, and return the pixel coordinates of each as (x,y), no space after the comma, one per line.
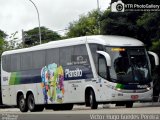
(107,56)
(156,58)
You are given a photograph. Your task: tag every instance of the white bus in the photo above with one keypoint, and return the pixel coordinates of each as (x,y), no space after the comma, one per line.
(88,70)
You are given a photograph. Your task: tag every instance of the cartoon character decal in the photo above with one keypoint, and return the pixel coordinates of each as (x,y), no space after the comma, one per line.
(52,83)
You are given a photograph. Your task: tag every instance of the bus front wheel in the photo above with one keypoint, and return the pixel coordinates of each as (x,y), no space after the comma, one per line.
(92,100)
(22,104)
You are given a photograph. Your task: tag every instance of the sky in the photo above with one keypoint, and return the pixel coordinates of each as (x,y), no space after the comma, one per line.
(16,15)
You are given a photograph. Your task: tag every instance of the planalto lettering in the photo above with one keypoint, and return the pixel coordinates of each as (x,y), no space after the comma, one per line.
(73,73)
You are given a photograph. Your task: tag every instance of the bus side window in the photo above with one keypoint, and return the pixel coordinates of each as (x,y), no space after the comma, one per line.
(15,63)
(102,67)
(52,56)
(94,48)
(4,64)
(38,59)
(80,54)
(66,55)
(6,60)
(26,61)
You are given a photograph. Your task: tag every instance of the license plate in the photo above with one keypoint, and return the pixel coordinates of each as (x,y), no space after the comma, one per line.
(134,97)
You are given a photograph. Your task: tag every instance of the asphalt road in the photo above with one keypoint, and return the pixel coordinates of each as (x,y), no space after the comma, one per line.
(108,112)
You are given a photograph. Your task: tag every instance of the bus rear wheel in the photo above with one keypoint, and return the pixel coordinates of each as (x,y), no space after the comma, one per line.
(32,106)
(22,104)
(92,100)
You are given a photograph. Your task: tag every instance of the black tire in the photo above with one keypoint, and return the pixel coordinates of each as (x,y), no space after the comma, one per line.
(87,102)
(22,104)
(92,99)
(32,106)
(31,103)
(129,104)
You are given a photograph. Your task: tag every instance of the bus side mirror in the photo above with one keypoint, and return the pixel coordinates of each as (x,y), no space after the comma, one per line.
(156,58)
(107,57)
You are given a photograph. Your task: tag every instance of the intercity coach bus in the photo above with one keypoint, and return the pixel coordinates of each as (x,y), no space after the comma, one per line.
(88,70)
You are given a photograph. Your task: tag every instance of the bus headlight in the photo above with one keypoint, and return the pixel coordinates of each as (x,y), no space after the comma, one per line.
(118,89)
(148,88)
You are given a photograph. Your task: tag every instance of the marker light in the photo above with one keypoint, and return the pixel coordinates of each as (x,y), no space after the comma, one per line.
(118,49)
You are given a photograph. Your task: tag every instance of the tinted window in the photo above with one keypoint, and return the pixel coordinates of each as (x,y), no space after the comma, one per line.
(6,63)
(38,59)
(80,55)
(15,62)
(94,48)
(80,50)
(26,61)
(52,56)
(66,55)
(102,67)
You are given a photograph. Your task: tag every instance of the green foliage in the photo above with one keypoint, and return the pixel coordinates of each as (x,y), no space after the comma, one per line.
(11,45)
(32,37)
(150,22)
(124,24)
(86,25)
(2,36)
(156,46)
(1,45)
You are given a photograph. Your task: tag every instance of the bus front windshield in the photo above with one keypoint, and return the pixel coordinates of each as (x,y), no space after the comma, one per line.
(129,65)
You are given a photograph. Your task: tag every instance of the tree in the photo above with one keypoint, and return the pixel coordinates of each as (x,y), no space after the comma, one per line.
(2,41)
(12,42)
(124,24)
(2,34)
(86,25)
(32,36)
